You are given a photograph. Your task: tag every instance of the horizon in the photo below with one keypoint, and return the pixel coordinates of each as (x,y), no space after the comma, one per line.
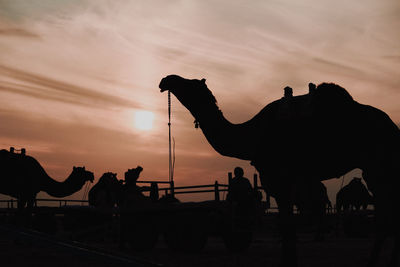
(75,75)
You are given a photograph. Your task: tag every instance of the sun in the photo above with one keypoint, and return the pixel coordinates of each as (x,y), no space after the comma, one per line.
(144,120)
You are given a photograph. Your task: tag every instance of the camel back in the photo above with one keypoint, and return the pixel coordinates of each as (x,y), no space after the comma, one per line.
(327,97)
(16,171)
(17,162)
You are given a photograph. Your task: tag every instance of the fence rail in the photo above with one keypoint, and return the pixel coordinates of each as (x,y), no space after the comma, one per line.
(215,188)
(13,203)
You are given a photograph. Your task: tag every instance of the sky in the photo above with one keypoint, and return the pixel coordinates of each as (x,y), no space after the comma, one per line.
(74,74)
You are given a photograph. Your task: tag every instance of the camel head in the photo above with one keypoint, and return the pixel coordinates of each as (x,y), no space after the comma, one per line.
(109,180)
(355,182)
(193,94)
(132,175)
(82,174)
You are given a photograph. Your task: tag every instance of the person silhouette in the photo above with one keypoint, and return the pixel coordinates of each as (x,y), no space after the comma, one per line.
(154,196)
(241,197)
(240,189)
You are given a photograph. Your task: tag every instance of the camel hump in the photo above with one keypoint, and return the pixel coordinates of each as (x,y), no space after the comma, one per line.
(10,155)
(332,94)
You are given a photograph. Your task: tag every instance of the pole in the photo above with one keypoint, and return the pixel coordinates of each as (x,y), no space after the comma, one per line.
(216,191)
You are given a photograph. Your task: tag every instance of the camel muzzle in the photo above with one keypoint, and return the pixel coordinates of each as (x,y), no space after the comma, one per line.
(162,86)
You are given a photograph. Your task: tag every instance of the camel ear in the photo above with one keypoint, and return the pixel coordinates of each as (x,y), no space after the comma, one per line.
(74,168)
(203,80)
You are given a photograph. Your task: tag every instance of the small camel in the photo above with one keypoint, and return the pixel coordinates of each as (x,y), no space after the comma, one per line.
(23,177)
(300,138)
(354,195)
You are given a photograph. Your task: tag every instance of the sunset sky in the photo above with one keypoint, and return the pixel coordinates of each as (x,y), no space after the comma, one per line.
(74,74)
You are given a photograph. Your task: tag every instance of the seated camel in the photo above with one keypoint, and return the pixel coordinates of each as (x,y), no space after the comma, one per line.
(131,194)
(106,193)
(110,192)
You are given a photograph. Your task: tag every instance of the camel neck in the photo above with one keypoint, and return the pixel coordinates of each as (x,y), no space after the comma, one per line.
(226,138)
(60,189)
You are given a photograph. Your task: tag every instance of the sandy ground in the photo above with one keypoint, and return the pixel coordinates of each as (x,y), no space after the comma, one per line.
(264,251)
(335,251)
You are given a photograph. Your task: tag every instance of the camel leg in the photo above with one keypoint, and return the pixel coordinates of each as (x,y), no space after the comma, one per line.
(383,222)
(288,232)
(321,225)
(21,204)
(394,260)
(29,211)
(376,250)
(20,216)
(29,206)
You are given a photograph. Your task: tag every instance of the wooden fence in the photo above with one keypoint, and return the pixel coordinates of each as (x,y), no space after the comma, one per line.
(171,189)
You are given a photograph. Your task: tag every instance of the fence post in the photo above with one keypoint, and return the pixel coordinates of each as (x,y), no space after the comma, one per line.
(172,189)
(12,203)
(216,191)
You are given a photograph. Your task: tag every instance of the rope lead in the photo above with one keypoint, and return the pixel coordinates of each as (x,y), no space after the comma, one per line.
(170,168)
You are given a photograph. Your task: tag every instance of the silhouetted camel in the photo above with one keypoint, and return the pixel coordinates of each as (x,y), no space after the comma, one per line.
(109,191)
(311,199)
(23,177)
(298,138)
(354,195)
(311,196)
(106,193)
(132,195)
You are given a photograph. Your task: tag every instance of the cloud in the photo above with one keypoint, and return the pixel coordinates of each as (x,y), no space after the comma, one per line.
(18,33)
(39,86)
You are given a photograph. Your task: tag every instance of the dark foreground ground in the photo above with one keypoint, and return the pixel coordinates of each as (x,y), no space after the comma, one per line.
(336,251)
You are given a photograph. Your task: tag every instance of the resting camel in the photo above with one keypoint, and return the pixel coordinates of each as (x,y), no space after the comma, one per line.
(302,138)
(106,193)
(109,191)
(23,177)
(354,195)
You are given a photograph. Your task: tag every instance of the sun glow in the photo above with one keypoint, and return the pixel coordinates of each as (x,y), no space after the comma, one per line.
(144,120)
